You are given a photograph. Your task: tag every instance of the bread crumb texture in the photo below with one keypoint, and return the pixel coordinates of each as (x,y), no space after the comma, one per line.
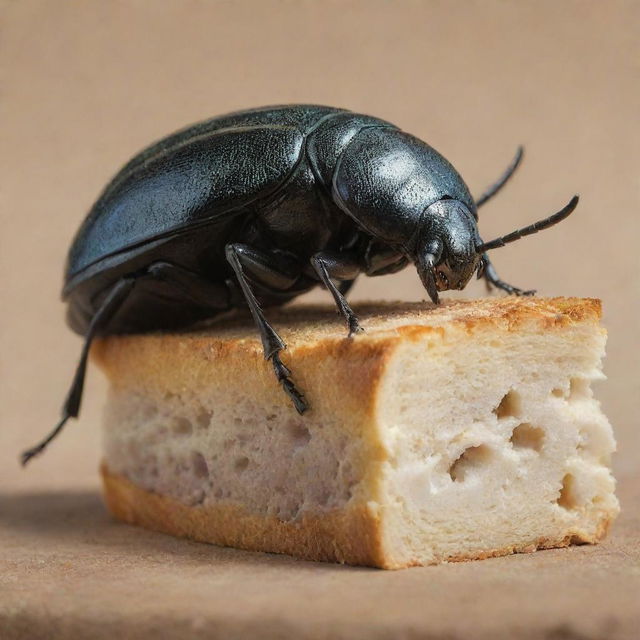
(456,432)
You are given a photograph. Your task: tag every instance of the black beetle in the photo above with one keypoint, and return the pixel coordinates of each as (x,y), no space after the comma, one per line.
(256,207)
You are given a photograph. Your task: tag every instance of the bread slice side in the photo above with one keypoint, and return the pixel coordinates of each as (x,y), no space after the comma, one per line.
(200,442)
(441,434)
(494,440)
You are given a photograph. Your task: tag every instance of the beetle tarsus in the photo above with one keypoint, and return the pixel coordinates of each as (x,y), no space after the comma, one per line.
(354,326)
(492,279)
(283,373)
(40,447)
(328,265)
(510,289)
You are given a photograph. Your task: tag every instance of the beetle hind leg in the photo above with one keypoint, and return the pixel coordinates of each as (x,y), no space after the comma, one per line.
(192,287)
(71,407)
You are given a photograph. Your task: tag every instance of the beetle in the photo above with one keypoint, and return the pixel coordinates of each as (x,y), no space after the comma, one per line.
(252,209)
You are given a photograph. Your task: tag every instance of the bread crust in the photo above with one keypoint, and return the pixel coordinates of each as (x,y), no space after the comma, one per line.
(348,536)
(351,535)
(386,324)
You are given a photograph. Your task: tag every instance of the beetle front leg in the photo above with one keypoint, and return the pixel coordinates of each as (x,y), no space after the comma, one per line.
(492,279)
(272,343)
(342,266)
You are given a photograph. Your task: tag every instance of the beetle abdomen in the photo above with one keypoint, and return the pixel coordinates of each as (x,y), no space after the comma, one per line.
(302,117)
(210,176)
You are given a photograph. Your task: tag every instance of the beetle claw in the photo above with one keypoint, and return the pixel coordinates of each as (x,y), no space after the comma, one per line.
(354,327)
(515,291)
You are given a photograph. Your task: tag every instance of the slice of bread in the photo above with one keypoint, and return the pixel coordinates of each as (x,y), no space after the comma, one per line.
(455,432)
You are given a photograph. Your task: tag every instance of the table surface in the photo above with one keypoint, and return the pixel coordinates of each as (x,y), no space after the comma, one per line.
(67,570)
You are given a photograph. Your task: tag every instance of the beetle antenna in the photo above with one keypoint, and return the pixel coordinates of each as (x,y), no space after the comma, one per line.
(532,228)
(503,179)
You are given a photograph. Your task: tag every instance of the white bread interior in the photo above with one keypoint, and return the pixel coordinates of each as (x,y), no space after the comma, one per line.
(464,431)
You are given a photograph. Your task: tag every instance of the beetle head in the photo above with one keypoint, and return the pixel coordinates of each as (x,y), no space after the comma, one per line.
(445,253)
(448,249)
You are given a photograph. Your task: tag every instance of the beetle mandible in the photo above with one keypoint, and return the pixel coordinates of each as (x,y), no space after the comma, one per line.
(257,207)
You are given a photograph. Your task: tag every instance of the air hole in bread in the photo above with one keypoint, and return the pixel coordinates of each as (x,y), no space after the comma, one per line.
(182,426)
(509,407)
(298,433)
(241,463)
(578,389)
(203,418)
(199,464)
(526,436)
(567,498)
(472,459)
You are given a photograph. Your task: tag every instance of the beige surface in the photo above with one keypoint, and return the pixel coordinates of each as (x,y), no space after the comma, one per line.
(85,84)
(70,572)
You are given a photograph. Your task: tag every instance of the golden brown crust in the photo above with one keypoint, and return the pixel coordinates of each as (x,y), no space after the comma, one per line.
(315,338)
(349,536)
(314,330)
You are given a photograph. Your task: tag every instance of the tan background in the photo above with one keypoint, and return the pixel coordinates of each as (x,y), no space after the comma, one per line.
(85,84)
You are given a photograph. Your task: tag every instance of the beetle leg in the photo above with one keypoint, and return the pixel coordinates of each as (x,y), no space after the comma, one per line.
(381,259)
(272,343)
(191,285)
(272,270)
(101,318)
(342,266)
(492,279)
